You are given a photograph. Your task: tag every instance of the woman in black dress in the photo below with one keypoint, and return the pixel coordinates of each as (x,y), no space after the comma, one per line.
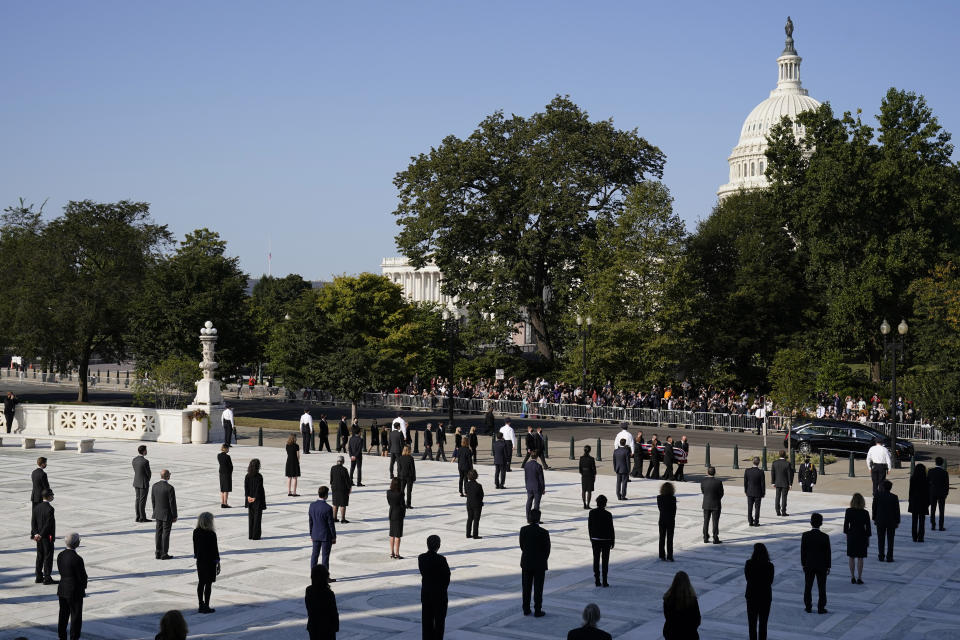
(856,526)
(293,465)
(667,504)
(397,511)
(207,555)
(340,487)
(681,612)
(226,475)
(919,504)
(323,619)
(385,441)
(588,473)
(759,573)
(407,472)
(464,461)
(638,456)
(374,437)
(474,443)
(256,499)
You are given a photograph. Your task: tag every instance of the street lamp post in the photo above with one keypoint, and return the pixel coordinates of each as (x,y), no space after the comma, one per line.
(583,326)
(451,327)
(895,348)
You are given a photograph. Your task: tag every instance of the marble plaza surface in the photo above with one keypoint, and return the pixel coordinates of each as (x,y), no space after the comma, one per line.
(259,594)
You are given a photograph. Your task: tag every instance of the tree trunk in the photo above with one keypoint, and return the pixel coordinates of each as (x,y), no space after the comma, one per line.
(540,333)
(83,368)
(353,411)
(874,370)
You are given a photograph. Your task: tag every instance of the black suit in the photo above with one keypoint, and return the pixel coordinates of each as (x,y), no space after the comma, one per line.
(163,500)
(324,439)
(602,539)
(40,484)
(755,486)
(396,448)
(253,488)
(73,586)
(939,483)
(669,459)
(441,439)
(474,506)
(225,472)
(499,463)
(759,595)
(355,451)
(815,560)
(141,484)
(712,490)
(667,506)
(781,477)
(342,434)
(534,552)
(653,467)
(621,466)
(435,578)
(886,515)
(407,472)
(427,444)
(43,523)
(323,619)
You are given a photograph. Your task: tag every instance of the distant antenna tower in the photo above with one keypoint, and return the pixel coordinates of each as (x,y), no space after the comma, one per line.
(269,257)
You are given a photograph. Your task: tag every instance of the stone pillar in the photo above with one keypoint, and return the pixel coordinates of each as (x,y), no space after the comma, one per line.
(208,397)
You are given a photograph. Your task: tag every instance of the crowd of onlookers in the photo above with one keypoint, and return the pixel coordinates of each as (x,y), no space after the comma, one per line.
(683,396)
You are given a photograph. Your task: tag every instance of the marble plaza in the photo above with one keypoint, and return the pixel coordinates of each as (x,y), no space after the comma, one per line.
(259,594)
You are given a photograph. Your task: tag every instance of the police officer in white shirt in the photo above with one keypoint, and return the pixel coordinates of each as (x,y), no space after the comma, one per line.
(228,430)
(511,439)
(878,461)
(306,429)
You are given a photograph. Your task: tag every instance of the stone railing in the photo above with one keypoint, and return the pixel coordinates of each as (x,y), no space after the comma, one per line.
(122,423)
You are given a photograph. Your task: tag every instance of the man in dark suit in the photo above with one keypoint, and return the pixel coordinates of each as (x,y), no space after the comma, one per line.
(43,529)
(342,435)
(680,465)
(441,439)
(533,481)
(355,451)
(939,482)
(886,515)
(141,482)
(499,461)
(427,442)
(474,492)
(435,578)
(602,538)
(621,466)
(163,499)
(39,481)
(323,442)
(10,403)
(534,551)
(542,447)
(712,490)
(669,458)
(72,589)
(815,560)
(781,477)
(323,532)
(396,446)
(755,486)
(530,444)
(653,467)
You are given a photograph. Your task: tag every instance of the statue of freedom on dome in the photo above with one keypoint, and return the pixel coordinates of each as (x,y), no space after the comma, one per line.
(789,27)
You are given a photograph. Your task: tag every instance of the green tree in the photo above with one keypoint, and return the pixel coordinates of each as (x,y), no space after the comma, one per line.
(745,269)
(790,376)
(633,291)
(73,280)
(270,301)
(832,374)
(169,384)
(504,212)
(196,283)
(870,210)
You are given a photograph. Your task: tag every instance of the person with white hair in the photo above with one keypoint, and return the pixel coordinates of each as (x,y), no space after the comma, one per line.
(589,630)
(72,589)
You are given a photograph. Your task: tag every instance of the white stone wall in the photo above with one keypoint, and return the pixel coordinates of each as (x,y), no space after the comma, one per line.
(123,423)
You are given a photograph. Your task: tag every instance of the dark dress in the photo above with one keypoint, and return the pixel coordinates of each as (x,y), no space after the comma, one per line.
(226,472)
(588,472)
(340,485)
(680,624)
(759,595)
(323,620)
(206,553)
(293,463)
(397,510)
(856,526)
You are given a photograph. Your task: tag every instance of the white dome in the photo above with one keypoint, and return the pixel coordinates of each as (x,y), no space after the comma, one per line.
(748,159)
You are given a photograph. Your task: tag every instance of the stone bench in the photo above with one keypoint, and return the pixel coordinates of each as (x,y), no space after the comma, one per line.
(57,443)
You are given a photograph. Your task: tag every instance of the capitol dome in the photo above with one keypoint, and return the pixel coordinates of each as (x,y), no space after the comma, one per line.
(748,160)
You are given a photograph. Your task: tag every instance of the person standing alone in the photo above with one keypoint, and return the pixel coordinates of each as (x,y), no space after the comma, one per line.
(755,486)
(939,482)
(141,483)
(39,481)
(878,461)
(228,428)
(499,462)
(255,500)
(534,553)
(43,529)
(815,560)
(886,515)
(474,493)
(9,410)
(72,589)
(621,466)
(712,489)
(435,579)
(306,430)
(781,477)
(602,539)
(759,573)
(323,531)
(355,451)
(163,501)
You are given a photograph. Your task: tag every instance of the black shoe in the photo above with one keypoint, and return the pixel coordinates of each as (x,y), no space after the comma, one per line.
(597,581)
(716,541)
(51,581)
(345,521)
(146,520)
(478,537)
(785,514)
(526,612)
(669,558)
(606,584)
(166,557)
(538,613)
(822,611)
(880,557)
(331,579)
(808,609)
(890,559)
(859,581)
(360,485)
(39,580)
(942,529)
(706,540)
(853,581)
(664,558)
(778,513)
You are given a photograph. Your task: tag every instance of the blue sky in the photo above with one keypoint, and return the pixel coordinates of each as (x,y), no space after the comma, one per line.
(284,123)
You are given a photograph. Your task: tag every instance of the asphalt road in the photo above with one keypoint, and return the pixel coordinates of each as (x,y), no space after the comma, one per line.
(276,409)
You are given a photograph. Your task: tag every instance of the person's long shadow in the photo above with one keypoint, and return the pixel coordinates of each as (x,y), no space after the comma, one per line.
(145,574)
(259,550)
